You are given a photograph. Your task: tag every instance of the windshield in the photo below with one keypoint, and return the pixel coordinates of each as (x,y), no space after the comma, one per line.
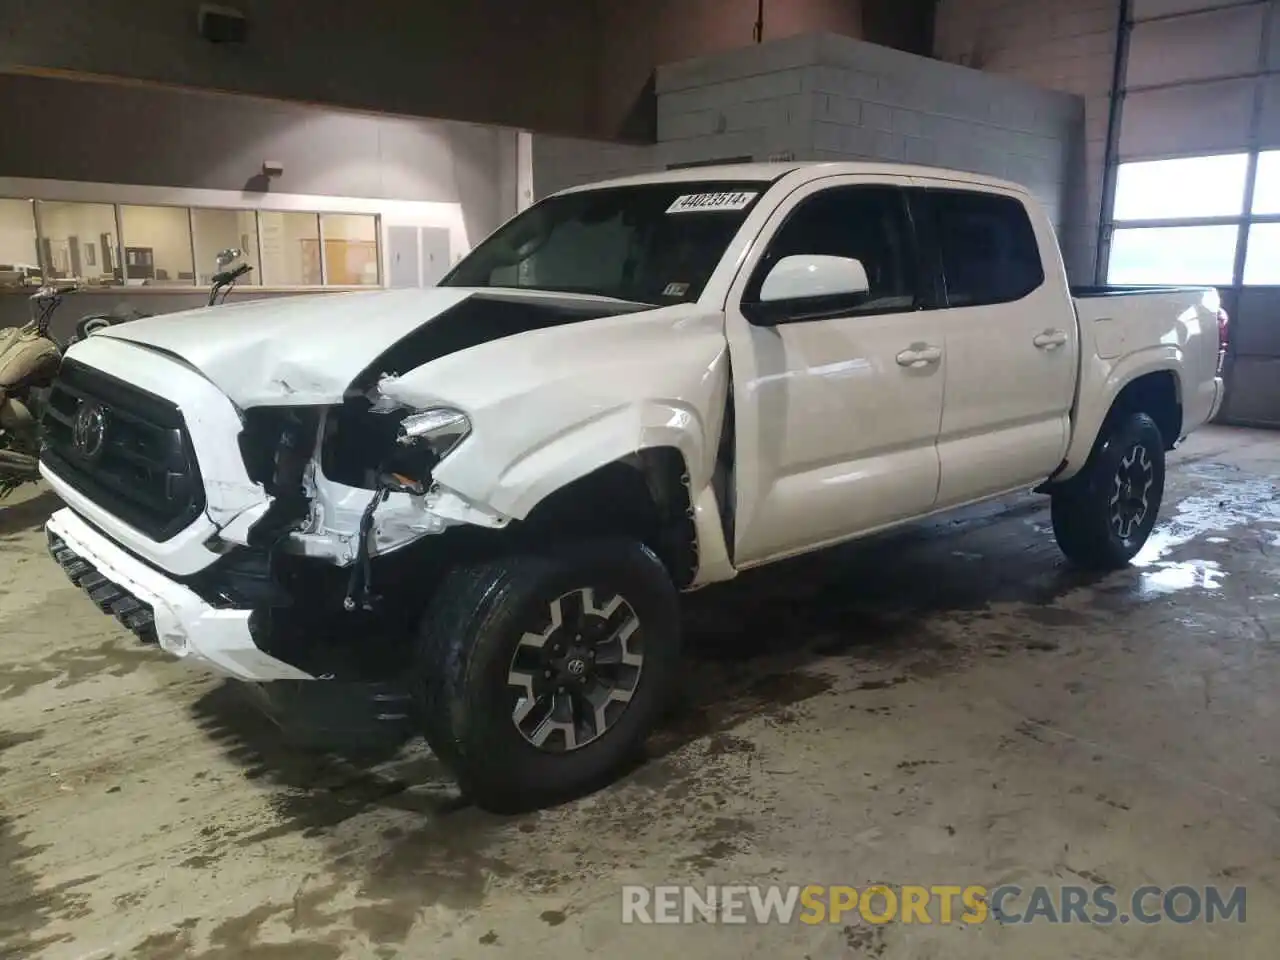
(652,243)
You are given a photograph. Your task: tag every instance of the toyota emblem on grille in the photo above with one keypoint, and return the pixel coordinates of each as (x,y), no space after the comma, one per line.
(89,431)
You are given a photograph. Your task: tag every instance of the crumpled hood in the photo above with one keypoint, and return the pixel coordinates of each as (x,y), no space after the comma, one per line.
(306,350)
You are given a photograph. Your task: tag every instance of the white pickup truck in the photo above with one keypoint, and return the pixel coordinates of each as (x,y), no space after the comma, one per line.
(494,490)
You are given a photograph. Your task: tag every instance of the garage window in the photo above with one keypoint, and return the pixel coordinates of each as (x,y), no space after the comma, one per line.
(1155,255)
(1177,220)
(1262,264)
(1186,187)
(1266,189)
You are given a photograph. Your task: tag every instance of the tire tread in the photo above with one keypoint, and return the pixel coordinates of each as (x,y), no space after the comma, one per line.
(1078,509)
(450,687)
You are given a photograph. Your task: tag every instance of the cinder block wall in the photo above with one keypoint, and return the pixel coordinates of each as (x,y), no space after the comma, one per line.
(824,97)
(560,162)
(1066,45)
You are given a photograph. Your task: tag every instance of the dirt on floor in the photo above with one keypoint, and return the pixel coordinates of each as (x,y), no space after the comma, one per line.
(946,704)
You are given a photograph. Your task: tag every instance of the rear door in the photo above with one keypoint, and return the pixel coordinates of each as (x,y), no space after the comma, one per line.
(1010,338)
(836,412)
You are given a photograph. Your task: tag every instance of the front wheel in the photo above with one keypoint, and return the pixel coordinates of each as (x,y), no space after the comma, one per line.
(1102,518)
(539,676)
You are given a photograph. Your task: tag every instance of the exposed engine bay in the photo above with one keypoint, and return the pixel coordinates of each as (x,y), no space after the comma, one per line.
(354,480)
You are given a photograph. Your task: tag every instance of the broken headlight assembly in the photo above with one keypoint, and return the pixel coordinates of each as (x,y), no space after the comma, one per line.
(440,429)
(422,441)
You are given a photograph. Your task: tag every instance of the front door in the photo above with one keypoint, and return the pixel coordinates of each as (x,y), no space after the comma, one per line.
(837,415)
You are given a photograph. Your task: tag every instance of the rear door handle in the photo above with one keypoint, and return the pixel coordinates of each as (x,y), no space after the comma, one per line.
(919,355)
(1049,339)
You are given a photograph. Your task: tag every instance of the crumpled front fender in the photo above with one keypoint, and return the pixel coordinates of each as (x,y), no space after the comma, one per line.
(611,436)
(547,408)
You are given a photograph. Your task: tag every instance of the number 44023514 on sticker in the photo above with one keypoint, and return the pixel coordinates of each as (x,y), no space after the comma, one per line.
(700,202)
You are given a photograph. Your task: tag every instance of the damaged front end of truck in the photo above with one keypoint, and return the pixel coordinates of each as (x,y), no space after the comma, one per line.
(351,498)
(355,509)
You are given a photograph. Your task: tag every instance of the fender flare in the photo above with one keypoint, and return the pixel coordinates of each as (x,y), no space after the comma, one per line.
(606,438)
(1092,416)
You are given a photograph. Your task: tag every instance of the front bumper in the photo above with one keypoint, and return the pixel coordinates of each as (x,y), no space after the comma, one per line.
(159,609)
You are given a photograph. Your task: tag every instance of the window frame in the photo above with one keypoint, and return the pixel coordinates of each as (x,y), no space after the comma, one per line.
(836,308)
(927,212)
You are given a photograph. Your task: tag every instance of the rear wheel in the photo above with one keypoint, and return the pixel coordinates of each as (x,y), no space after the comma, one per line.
(1103,516)
(539,676)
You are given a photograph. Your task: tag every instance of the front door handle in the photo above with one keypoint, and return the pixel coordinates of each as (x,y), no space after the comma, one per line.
(1050,339)
(919,355)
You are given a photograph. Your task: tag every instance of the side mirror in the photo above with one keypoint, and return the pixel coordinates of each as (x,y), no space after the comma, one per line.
(805,276)
(809,286)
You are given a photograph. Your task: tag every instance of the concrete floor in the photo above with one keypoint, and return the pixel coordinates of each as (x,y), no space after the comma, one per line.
(946,704)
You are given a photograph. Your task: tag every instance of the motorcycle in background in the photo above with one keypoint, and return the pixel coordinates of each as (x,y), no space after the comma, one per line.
(30,358)
(231,267)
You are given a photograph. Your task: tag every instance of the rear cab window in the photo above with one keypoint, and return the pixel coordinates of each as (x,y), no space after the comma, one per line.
(986,246)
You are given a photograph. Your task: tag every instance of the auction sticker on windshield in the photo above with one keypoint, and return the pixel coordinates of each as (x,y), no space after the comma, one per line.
(699,202)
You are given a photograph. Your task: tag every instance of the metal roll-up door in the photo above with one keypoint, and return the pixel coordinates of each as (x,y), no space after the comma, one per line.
(1192,192)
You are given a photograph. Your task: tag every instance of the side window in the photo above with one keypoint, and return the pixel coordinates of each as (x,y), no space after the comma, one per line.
(869,224)
(988,247)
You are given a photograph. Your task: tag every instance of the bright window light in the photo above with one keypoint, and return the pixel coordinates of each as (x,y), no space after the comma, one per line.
(1155,255)
(1191,187)
(1266,188)
(1262,262)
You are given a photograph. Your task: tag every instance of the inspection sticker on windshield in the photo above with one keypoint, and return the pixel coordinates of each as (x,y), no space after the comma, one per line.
(701,202)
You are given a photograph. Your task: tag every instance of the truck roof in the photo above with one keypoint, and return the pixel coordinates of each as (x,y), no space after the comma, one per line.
(812,170)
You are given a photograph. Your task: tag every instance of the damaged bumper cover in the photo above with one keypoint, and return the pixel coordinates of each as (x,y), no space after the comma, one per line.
(182,623)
